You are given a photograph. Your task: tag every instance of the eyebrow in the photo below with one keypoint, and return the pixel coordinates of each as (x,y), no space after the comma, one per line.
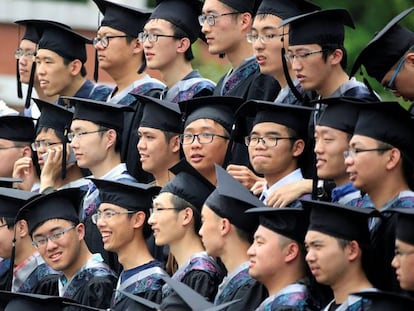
(313,242)
(202,128)
(266,133)
(49,232)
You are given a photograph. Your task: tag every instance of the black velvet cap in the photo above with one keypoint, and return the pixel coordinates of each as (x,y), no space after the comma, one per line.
(377,300)
(405,224)
(61,39)
(7,182)
(122,17)
(12,200)
(340,221)
(231,199)
(101,113)
(131,196)
(53,116)
(62,204)
(386,48)
(189,184)
(340,113)
(217,108)
(160,114)
(292,116)
(286,8)
(17,128)
(181,13)
(388,122)
(31,33)
(241,6)
(290,222)
(319,27)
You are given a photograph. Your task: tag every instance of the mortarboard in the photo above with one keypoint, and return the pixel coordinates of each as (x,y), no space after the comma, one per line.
(7,182)
(292,116)
(319,27)
(385,49)
(289,222)
(181,13)
(101,113)
(241,6)
(376,300)
(404,229)
(125,18)
(286,8)
(131,196)
(217,108)
(231,199)
(388,122)
(17,128)
(12,200)
(61,204)
(340,113)
(189,184)
(340,221)
(160,114)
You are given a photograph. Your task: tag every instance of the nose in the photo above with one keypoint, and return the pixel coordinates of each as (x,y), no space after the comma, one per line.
(141,145)
(258,45)
(296,65)
(205,28)
(349,161)
(151,219)
(318,147)
(251,250)
(50,245)
(395,263)
(309,256)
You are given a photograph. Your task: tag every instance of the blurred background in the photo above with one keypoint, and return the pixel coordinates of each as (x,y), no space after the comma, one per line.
(82,15)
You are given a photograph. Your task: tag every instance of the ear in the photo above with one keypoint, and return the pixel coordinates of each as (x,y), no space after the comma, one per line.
(22,230)
(26,151)
(175,144)
(298,148)
(225,226)
(336,57)
(138,219)
(246,21)
(137,47)
(188,216)
(393,159)
(80,229)
(75,67)
(292,252)
(183,45)
(353,251)
(409,59)
(111,138)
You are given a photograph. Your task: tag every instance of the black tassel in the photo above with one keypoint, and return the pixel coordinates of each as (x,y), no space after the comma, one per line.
(96,68)
(64,152)
(30,86)
(19,84)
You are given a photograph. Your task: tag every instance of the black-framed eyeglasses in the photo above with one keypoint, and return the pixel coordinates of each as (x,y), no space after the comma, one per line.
(107,215)
(352,152)
(268,141)
(290,57)
(211,18)
(390,86)
(104,40)
(153,37)
(72,135)
(20,53)
(265,38)
(156,210)
(400,252)
(37,144)
(42,241)
(202,138)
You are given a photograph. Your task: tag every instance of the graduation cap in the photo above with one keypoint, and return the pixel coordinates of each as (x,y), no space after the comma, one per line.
(101,113)
(319,27)
(340,113)
(385,49)
(340,221)
(12,200)
(217,108)
(125,18)
(388,122)
(131,196)
(405,222)
(286,8)
(7,182)
(289,222)
(292,116)
(17,128)
(36,302)
(189,184)
(160,114)
(61,204)
(241,6)
(181,13)
(231,199)
(377,300)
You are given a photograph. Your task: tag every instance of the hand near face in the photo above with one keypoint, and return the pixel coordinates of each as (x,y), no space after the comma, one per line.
(24,169)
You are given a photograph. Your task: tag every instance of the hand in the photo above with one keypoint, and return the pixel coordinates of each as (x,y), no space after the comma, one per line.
(243,174)
(23,168)
(286,194)
(258,187)
(52,168)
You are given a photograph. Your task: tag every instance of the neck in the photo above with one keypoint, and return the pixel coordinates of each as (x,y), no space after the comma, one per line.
(186,247)
(72,173)
(81,260)
(234,254)
(126,75)
(130,258)
(239,53)
(273,178)
(349,283)
(163,175)
(24,249)
(175,72)
(281,78)
(112,160)
(73,87)
(41,95)
(341,180)
(388,190)
(287,276)
(333,82)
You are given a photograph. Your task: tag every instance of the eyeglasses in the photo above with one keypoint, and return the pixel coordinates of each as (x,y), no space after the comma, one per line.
(290,57)
(72,135)
(42,241)
(268,141)
(354,151)
(155,210)
(153,37)
(390,86)
(104,40)
(265,39)
(10,147)
(24,54)
(107,215)
(202,138)
(37,144)
(211,18)
(399,252)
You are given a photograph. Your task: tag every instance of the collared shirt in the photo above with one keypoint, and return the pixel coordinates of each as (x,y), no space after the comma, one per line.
(292,177)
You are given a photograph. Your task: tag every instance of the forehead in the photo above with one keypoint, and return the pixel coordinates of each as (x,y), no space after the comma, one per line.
(266,21)
(363,140)
(5,141)
(51,224)
(267,234)
(106,30)
(207,212)
(163,198)
(322,129)
(27,45)
(46,133)
(212,6)
(82,124)
(201,124)
(316,236)
(304,47)
(269,127)
(150,130)
(106,206)
(157,24)
(42,53)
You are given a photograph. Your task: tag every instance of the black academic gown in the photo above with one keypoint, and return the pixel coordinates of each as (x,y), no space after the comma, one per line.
(126,303)
(251,294)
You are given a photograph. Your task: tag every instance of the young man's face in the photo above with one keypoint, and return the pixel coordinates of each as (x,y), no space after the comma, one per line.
(269,55)
(330,145)
(26,62)
(325,257)
(64,253)
(55,78)
(226,32)
(46,137)
(9,153)
(163,52)
(403,263)
(210,232)
(155,151)
(6,239)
